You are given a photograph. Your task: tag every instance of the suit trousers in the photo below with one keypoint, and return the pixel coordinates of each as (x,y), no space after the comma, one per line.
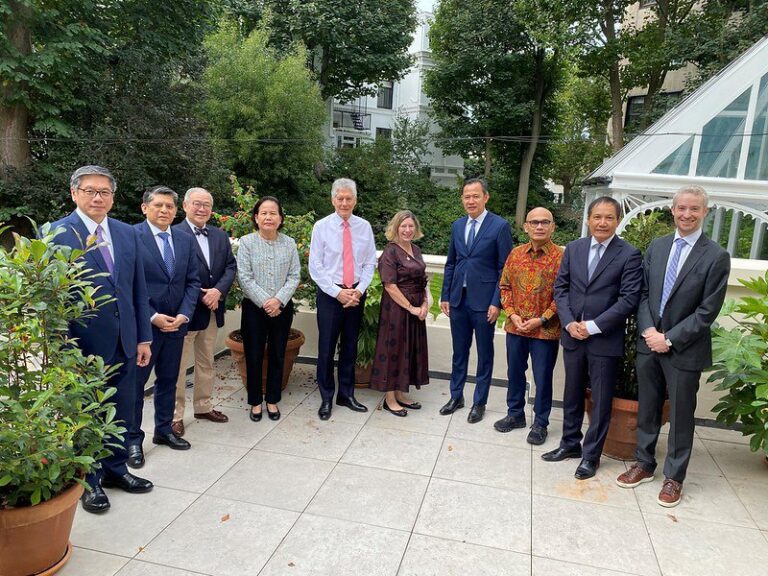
(124,381)
(198,344)
(600,372)
(656,376)
(543,354)
(166,359)
(464,323)
(335,322)
(259,330)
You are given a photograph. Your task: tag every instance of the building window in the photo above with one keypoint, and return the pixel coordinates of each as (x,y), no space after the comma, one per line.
(661,103)
(347,142)
(634,111)
(647,3)
(384,99)
(384,133)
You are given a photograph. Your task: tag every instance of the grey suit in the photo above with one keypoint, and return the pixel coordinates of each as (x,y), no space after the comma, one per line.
(693,305)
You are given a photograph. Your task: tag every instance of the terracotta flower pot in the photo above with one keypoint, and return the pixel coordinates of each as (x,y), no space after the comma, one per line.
(621,441)
(35,539)
(234,342)
(363,375)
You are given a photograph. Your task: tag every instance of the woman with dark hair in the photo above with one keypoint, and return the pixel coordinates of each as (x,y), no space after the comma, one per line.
(268,270)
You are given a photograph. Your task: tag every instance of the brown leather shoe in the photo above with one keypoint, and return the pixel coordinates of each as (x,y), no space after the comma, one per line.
(635,476)
(213,416)
(671,493)
(178,428)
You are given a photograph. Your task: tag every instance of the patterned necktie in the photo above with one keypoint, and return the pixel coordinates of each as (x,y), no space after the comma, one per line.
(598,248)
(348,258)
(471,235)
(168,258)
(104,249)
(671,276)
(203,231)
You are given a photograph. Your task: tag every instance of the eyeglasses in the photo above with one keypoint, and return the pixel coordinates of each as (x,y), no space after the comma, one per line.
(90,192)
(537,223)
(197,204)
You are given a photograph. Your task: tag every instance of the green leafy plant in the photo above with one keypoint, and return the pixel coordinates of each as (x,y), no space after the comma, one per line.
(369,327)
(740,356)
(55,418)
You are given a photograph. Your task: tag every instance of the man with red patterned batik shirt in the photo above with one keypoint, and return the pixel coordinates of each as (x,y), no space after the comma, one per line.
(533,327)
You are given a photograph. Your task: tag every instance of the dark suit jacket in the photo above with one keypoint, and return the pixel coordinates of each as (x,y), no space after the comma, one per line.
(220,275)
(608,299)
(481,264)
(126,319)
(693,304)
(176,295)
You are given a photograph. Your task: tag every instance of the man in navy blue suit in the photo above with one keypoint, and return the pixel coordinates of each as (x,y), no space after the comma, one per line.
(120,332)
(596,290)
(170,268)
(480,243)
(216,267)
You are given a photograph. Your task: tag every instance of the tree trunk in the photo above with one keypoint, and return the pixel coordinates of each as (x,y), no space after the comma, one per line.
(14,117)
(488,158)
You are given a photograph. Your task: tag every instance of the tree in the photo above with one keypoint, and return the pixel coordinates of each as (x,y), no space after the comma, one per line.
(263,107)
(354,45)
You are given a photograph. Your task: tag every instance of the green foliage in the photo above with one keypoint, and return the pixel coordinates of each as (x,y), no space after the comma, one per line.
(740,365)
(55,418)
(369,327)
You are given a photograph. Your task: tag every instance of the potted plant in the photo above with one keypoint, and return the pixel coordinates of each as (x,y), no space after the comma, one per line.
(621,441)
(299,228)
(55,420)
(740,363)
(369,332)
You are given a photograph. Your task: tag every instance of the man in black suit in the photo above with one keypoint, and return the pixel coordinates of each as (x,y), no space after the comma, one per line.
(170,268)
(596,290)
(217,268)
(686,277)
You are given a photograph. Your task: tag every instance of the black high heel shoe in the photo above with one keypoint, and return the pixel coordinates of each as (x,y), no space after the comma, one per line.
(273,415)
(402,412)
(255,417)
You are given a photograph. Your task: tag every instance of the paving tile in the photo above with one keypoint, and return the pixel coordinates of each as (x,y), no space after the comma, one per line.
(372,496)
(139,568)
(195,469)
(437,391)
(709,498)
(477,515)
(85,562)
(592,534)
(684,547)
(427,420)
(737,461)
(394,450)
(548,567)
(701,461)
(721,435)
(310,437)
(328,547)
(484,432)
(309,406)
(132,522)
(240,431)
(428,556)
(753,496)
(221,537)
(556,479)
(291,397)
(271,479)
(486,464)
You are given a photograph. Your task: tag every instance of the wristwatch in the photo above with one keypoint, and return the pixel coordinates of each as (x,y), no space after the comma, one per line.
(544,321)
(668,342)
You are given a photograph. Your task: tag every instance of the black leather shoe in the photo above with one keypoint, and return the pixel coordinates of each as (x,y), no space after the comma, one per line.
(172,441)
(559,454)
(135,456)
(509,423)
(325,410)
(411,406)
(254,416)
(537,436)
(587,469)
(452,405)
(273,415)
(476,414)
(402,412)
(95,500)
(128,482)
(351,403)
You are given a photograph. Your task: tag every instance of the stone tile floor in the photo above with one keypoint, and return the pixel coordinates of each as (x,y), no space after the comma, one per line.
(372,494)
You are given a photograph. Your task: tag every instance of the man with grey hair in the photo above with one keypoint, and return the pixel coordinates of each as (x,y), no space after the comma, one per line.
(216,267)
(120,331)
(685,279)
(170,267)
(342,260)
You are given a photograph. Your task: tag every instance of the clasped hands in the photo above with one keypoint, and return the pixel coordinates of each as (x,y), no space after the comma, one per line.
(578,330)
(525,325)
(167,323)
(419,311)
(272,307)
(656,341)
(349,297)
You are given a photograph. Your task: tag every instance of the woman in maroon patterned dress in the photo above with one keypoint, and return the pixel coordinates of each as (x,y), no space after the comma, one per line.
(401,349)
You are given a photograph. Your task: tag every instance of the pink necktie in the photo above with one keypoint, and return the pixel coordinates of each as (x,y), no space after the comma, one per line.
(347,257)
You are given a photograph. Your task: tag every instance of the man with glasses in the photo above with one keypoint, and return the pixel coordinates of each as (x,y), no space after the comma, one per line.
(120,331)
(533,328)
(216,267)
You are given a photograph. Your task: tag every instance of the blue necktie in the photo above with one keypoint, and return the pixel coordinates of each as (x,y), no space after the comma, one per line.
(595,260)
(168,257)
(471,235)
(671,276)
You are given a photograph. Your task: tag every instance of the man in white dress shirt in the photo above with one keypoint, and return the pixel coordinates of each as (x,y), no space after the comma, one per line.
(342,260)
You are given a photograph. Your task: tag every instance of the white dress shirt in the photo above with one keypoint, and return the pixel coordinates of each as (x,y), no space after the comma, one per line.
(202,241)
(690,240)
(159,241)
(91,225)
(480,219)
(326,260)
